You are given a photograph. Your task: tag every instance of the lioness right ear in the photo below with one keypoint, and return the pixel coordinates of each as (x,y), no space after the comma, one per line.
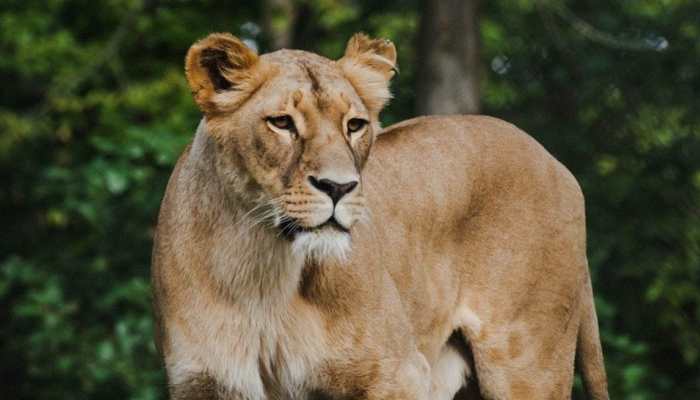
(369,64)
(222,72)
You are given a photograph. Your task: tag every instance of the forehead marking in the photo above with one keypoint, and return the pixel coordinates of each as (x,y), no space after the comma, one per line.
(322,98)
(315,85)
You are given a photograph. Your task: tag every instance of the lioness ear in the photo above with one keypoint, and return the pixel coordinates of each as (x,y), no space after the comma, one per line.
(222,72)
(369,64)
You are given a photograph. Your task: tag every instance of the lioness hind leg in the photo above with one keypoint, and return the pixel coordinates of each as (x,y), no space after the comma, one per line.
(509,366)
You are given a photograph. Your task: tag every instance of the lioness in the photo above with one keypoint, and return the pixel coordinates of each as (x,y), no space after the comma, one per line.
(290,264)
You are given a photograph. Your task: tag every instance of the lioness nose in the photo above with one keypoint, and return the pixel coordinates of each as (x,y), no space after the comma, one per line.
(333,189)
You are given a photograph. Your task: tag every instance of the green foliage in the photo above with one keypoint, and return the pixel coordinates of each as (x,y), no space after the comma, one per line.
(95,110)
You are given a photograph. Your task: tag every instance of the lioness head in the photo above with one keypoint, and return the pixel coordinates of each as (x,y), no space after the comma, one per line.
(293,131)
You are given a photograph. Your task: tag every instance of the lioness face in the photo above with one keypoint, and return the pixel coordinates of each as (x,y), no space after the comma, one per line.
(300,126)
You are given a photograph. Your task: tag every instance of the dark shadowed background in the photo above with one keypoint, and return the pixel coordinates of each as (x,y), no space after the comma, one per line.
(94,110)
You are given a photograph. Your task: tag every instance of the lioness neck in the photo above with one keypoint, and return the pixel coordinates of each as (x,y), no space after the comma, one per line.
(246,262)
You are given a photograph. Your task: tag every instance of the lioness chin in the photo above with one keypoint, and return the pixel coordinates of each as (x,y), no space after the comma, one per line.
(274,280)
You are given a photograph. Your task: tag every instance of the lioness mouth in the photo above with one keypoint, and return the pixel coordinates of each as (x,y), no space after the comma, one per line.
(290,228)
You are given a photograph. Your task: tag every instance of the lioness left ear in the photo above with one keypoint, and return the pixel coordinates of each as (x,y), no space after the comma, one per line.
(369,64)
(222,72)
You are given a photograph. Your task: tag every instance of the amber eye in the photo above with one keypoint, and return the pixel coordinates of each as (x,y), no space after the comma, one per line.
(282,122)
(355,124)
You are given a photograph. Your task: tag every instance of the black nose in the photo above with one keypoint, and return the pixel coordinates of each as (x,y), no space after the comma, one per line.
(333,189)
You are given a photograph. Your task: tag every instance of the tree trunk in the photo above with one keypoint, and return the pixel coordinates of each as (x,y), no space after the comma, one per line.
(278,23)
(291,24)
(448,58)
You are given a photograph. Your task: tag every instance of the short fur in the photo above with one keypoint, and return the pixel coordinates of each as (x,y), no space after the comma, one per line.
(465,258)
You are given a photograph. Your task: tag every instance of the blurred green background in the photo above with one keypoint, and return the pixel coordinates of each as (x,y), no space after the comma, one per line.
(94,110)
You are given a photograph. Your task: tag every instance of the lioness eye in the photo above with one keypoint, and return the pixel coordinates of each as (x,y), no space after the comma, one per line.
(355,124)
(282,122)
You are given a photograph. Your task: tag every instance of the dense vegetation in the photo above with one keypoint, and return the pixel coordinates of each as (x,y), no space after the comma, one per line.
(95,109)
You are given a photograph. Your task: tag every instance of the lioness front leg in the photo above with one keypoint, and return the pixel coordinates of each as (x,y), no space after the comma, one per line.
(202,387)
(404,379)
(397,390)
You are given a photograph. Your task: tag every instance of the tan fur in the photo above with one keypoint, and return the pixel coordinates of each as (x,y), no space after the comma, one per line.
(466,248)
